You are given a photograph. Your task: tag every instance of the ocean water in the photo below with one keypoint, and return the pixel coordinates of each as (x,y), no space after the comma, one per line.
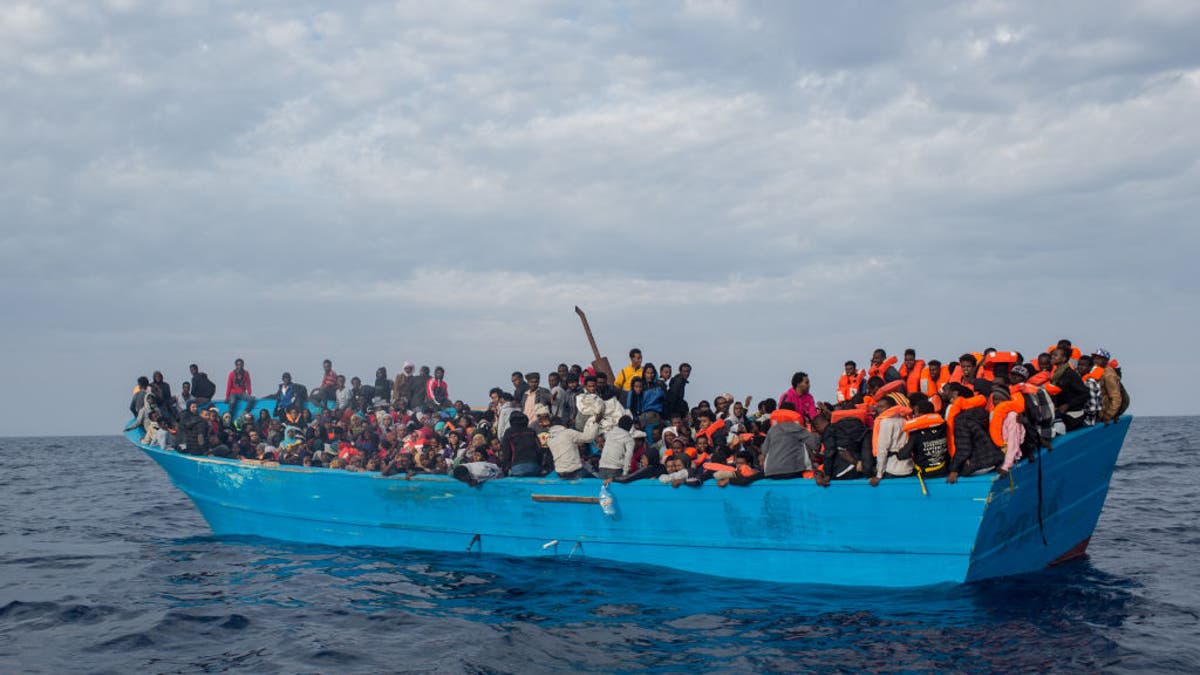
(104,567)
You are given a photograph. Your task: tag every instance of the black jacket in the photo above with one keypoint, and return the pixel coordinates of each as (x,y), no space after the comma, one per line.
(675,404)
(191,428)
(928,449)
(1074,392)
(973,446)
(520,444)
(202,387)
(842,447)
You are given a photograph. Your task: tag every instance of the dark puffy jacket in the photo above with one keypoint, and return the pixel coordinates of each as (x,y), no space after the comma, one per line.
(843,441)
(520,444)
(191,428)
(1074,392)
(675,403)
(973,446)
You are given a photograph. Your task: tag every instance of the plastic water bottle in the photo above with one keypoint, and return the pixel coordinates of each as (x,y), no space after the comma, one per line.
(606,501)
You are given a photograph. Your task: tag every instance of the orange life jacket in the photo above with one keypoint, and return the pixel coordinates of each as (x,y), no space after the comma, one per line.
(912,380)
(743,470)
(894,411)
(936,400)
(780,415)
(879,370)
(923,422)
(848,387)
(930,386)
(857,413)
(959,405)
(1042,379)
(890,387)
(987,372)
(1075,353)
(719,425)
(996,423)
(1094,374)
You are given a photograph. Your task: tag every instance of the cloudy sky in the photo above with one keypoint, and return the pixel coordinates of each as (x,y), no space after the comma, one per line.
(756,188)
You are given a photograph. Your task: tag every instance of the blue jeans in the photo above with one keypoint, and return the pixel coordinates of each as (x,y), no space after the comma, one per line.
(233,401)
(526,469)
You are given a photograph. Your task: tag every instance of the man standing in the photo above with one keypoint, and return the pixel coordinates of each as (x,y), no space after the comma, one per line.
(618,450)
(799,396)
(203,389)
(534,396)
(676,404)
(624,379)
(329,384)
(238,388)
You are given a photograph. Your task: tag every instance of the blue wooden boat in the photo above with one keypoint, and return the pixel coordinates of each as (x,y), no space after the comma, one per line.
(788,531)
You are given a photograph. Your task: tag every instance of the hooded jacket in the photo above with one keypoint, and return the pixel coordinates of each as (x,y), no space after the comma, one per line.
(564,445)
(520,444)
(843,447)
(788,447)
(973,446)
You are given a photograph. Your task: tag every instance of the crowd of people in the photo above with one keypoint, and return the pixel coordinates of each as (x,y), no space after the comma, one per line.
(976,414)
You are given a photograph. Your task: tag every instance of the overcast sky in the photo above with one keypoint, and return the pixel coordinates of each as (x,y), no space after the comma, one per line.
(756,188)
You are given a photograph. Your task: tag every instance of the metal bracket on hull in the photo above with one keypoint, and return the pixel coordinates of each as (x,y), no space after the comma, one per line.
(475,540)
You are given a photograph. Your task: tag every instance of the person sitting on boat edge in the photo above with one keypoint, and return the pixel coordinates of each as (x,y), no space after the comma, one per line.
(1071,402)
(843,437)
(888,438)
(788,446)
(563,443)
(618,449)
(238,387)
(927,446)
(1114,400)
(971,449)
(800,398)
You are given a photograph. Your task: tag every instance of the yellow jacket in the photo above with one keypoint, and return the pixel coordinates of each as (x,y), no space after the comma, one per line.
(624,378)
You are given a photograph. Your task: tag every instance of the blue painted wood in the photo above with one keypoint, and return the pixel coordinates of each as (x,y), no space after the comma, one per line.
(790,531)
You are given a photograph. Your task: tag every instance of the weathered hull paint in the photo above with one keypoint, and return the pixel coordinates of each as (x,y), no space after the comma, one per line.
(791,531)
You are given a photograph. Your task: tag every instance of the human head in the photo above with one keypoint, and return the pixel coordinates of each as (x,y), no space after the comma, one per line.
(589,384)
(601,378)
(800,382)
(286,377)
(239,364)
(552,379)
(878,357)
(1018,374)
(685,369)
(1059,356)
(626,422)
(1043,362)
(850,368)
(517,378)
(1084,366)
(935,369)
(193,369)
(649,372)
(664,372)
(910,357)
(637,384)
(819,423)
(327,365)
(439,373)
(1101,357)
(143,382)
(635,357)
(967,363)
(874,384)
(533,379)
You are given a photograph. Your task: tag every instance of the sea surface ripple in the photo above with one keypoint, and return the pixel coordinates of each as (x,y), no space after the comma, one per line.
(105,567)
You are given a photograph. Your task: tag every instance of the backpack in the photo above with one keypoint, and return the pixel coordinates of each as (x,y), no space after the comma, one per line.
(1124,401)
(1039,414)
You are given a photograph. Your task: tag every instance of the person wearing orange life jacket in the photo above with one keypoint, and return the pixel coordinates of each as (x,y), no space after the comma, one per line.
(788,449)
(1114,401)
(1041,364)
(927,444)
(965,373)
(851,382)
(1006,428)
(933,379)
(888,438)
(997,361)
(1072,351)
(911,371)
(883,366)
(971,448)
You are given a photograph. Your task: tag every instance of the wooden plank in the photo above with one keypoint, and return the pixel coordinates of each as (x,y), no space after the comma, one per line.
(565,499)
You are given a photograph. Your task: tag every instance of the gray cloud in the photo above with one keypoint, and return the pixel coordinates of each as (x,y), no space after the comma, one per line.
(754,187)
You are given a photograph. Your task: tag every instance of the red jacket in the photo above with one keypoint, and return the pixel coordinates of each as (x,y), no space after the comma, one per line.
(232,386)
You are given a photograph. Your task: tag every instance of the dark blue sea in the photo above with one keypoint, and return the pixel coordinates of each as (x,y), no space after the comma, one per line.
(104,567)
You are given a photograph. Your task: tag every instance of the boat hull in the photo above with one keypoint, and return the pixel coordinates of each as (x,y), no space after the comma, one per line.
(782,531)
